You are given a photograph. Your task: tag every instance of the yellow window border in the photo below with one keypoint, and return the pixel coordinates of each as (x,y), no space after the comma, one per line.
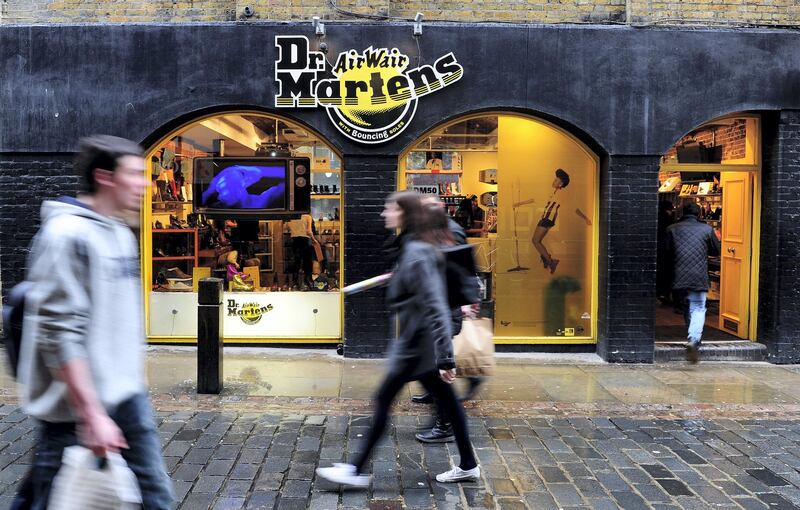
(145,230)
(191,340)
(595,223)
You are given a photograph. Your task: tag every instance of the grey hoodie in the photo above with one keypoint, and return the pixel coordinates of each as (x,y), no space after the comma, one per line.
(85,303)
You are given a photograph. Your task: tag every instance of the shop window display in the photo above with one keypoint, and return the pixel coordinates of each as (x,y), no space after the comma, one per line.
(228,201)
(525,193)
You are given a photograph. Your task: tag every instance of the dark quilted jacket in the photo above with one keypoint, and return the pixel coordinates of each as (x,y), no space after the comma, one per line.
(690,243)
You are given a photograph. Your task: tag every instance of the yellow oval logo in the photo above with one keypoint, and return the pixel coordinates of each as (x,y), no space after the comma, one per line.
(370,97)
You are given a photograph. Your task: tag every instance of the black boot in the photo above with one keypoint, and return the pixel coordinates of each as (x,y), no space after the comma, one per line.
(474,384)
(440,433)
(424,398)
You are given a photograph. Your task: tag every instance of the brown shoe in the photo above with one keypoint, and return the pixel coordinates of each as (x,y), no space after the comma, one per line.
(693,353)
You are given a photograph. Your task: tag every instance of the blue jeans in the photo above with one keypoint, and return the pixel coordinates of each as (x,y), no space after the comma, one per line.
(694,313)
(135,418)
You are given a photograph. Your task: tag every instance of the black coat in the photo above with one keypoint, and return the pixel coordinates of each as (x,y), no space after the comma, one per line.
(417,294)
(459,235)
(393,246)
(689,243)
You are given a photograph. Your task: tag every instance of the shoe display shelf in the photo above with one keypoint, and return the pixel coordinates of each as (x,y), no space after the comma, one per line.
(264,250)
(171,206)
(328,234)
(175,247)
(325,209)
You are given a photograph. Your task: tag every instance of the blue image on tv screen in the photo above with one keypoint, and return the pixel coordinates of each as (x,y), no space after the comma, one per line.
(247,187)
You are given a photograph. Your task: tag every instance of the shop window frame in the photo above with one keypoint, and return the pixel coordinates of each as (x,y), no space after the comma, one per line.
(146,240)
(415,145)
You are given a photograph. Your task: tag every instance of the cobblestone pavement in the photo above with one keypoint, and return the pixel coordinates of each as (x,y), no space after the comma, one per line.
(225,459)
(548,435)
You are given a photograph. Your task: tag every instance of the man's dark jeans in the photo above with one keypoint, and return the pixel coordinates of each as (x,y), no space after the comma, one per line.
(135,418)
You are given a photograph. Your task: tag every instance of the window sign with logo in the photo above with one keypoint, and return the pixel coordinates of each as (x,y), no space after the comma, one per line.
(426,190)
(253,314)
(370,97)
(250,313)
(286,314)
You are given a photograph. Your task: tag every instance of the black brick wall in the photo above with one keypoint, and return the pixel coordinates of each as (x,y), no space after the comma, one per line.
(779,279)
(621,90)
(627,255)
(368,181)
(615,108)
(628,217)
(25,181)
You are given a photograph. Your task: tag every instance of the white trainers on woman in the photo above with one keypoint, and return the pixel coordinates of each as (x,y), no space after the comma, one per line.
(459,475)
(344,474)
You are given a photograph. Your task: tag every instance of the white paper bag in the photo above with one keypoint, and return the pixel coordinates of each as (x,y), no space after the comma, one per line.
(81,485)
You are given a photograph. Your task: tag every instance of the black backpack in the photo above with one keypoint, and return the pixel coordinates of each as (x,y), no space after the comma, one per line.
(463,287)
(13,314)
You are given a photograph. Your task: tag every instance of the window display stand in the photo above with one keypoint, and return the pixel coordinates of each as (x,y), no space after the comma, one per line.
(172,246)
(264,249)
(518,267)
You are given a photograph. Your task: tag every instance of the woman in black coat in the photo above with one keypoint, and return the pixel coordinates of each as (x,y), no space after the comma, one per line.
(423,349)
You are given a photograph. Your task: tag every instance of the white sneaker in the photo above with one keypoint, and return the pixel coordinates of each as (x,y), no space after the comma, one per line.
(459,475)
(344,474)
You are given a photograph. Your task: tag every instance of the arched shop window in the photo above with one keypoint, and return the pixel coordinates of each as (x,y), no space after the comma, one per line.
(525,191)
(254,200)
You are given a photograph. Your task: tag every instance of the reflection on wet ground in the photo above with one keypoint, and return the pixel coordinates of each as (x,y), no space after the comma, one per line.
(525,378)
(251,372)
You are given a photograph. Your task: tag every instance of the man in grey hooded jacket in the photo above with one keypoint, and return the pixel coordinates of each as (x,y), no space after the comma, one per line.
(81,367)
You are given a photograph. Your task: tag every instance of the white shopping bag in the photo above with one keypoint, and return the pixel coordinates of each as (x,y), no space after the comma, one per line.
(82,485)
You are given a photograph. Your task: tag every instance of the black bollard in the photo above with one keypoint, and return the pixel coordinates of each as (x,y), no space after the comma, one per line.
(209,336)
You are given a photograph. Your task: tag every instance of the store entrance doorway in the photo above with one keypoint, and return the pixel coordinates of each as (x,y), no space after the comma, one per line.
(726,203)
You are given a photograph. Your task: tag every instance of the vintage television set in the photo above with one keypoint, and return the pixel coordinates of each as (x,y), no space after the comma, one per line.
(266,188)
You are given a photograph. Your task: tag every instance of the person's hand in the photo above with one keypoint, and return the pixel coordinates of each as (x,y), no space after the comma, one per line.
(470,311)
(448,376)
(100,434)
(583,217)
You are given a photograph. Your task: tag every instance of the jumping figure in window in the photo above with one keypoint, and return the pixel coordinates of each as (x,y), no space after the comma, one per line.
(548,220)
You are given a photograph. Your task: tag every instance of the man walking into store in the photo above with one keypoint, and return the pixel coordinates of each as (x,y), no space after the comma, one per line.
(81,364)
(689,244)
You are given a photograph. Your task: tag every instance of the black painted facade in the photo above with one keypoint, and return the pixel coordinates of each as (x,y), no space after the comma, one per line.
(628,93)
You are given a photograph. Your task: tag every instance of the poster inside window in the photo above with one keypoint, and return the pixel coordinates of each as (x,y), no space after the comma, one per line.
(524,192)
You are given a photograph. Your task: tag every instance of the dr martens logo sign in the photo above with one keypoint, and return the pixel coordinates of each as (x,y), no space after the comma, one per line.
(370,97)
(250,313)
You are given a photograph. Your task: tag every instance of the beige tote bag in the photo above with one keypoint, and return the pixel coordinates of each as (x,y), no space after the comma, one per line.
(474,348)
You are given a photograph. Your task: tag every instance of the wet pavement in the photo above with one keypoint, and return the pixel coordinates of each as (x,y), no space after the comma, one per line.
(549,432)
